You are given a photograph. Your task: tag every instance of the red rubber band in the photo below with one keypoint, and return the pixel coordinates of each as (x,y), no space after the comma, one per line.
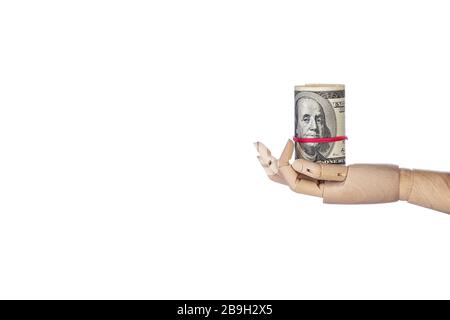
(320,140)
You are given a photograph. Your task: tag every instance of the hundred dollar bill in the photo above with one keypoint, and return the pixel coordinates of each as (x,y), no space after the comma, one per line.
(320,123)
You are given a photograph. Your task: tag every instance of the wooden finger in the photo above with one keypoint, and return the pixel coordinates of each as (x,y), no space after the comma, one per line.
(320,171)
(286,154)
(298,184)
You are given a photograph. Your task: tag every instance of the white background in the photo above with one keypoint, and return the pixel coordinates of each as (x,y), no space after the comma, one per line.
(127,168)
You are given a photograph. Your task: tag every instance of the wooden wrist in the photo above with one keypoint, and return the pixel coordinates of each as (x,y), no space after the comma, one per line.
(406,184)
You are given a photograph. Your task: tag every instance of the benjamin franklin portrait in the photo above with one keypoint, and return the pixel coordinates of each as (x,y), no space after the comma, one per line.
(314,118)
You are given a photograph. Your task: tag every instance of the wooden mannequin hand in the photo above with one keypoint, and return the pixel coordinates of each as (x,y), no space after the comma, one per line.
(359,183)
(302,176)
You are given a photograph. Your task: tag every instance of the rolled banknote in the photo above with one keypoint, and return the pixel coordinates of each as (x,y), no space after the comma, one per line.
(320,123)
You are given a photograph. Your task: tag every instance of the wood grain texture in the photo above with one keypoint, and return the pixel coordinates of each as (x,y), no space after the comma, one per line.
(430,189)
(365,183)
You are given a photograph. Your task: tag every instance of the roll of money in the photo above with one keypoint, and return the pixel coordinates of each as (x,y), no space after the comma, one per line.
(320,123)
